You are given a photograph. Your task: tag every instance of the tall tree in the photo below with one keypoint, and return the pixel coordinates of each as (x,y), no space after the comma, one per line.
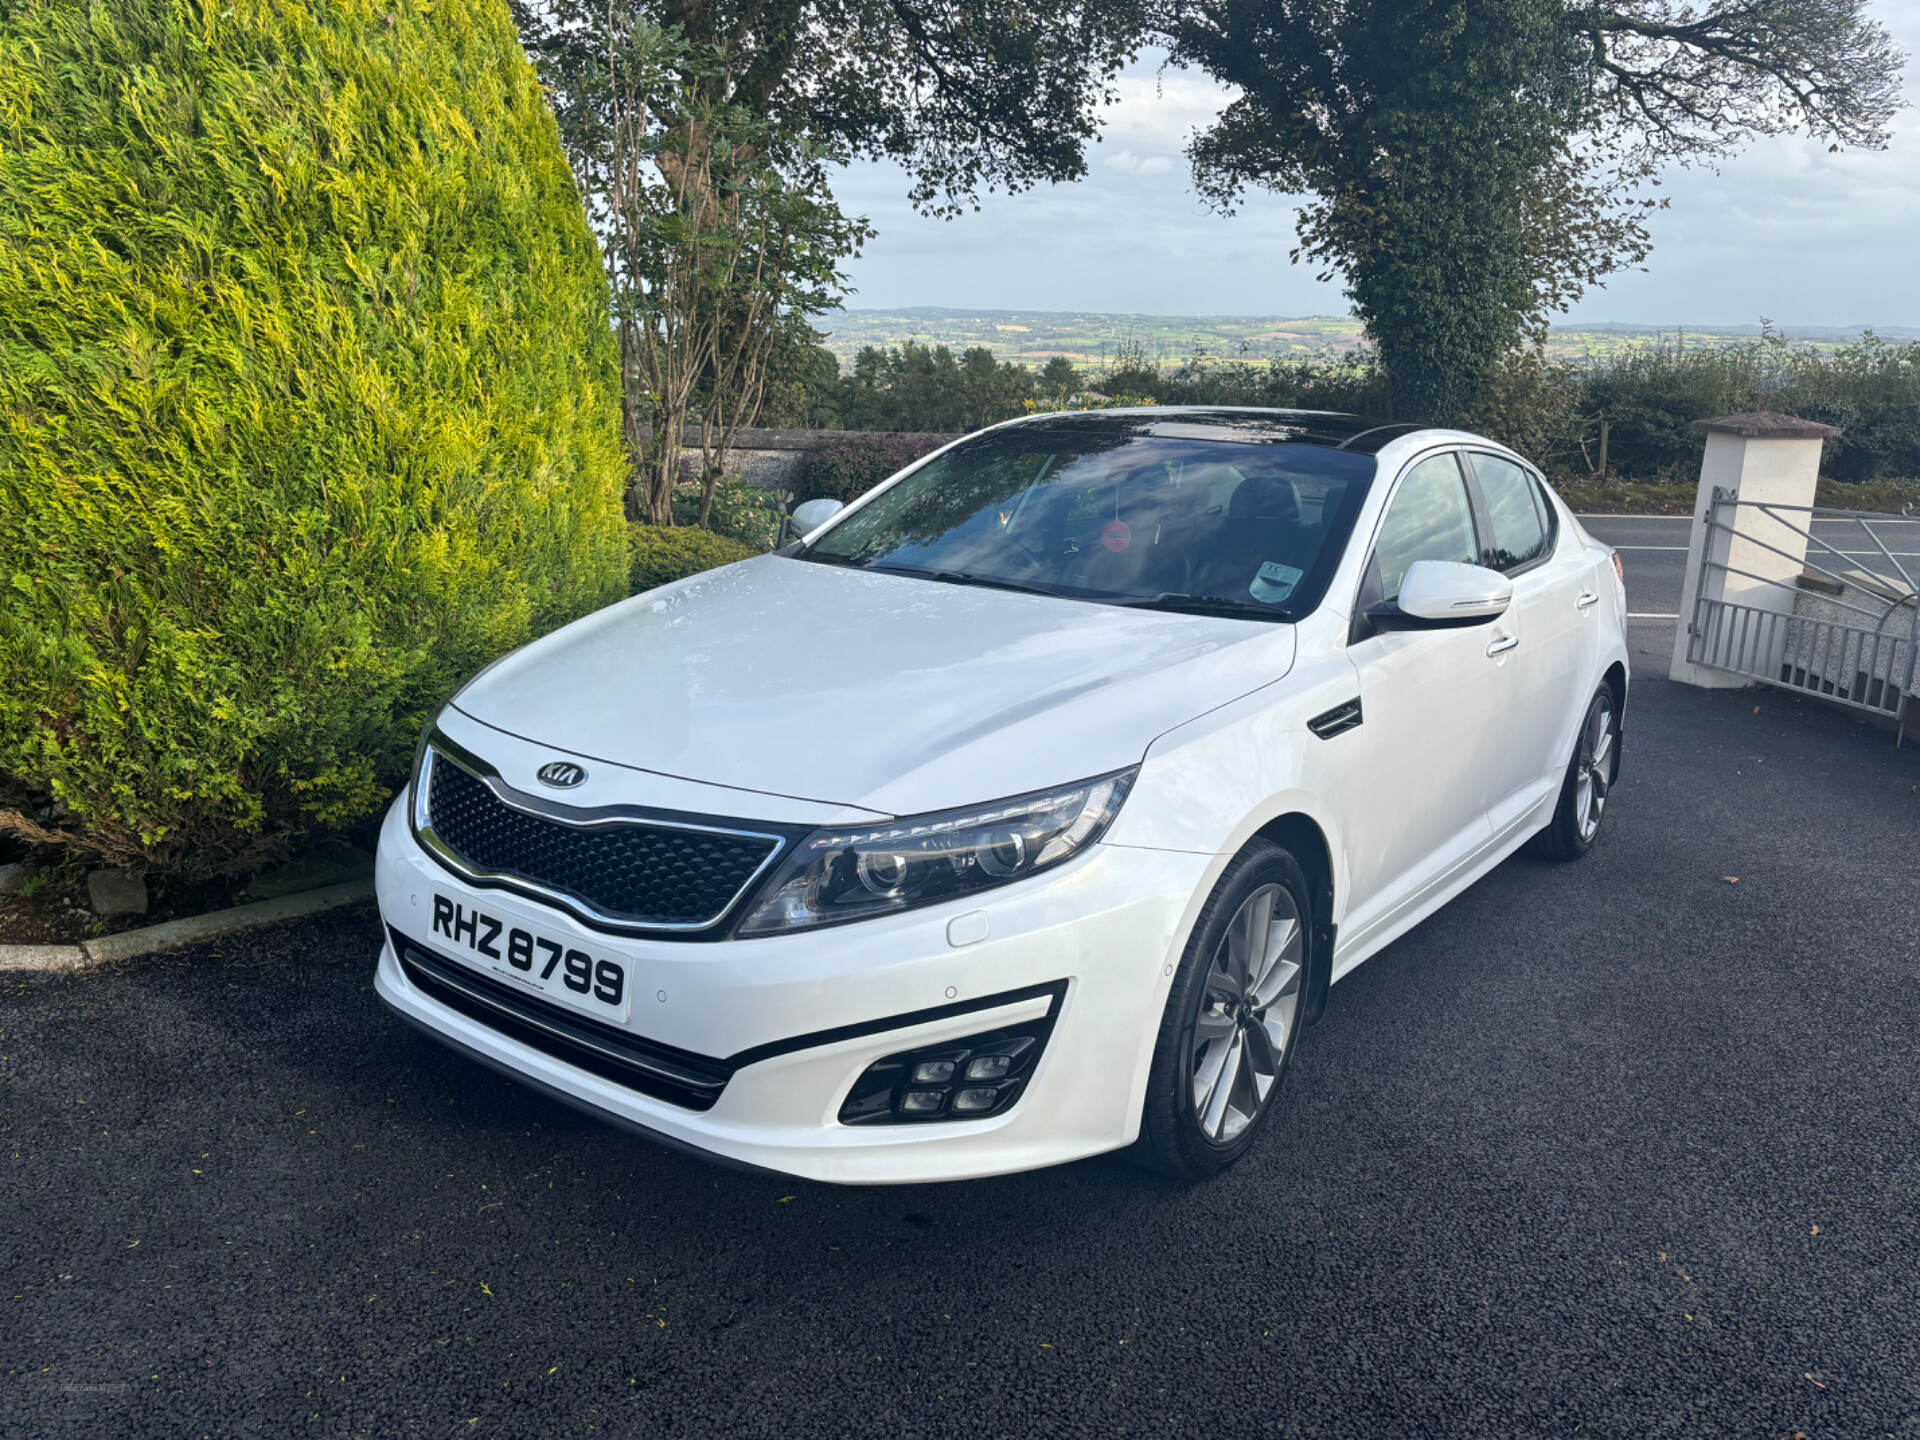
(701,132)
(1475,164)
(719,237)
(968,94)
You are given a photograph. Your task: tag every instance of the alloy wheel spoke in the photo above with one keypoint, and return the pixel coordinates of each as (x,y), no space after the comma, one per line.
(1231,960)
(1282,980)
(1282,934)
(1206,1075)
(1244,1103)
(1221,987)
(1214,1025)
(1245,935)
(1259,927)
(1265,1050)
(1214,1112)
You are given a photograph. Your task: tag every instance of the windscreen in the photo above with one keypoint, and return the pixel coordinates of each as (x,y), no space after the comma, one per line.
(1206,525)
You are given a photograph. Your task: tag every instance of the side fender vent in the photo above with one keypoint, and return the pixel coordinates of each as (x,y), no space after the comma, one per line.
(1337,721)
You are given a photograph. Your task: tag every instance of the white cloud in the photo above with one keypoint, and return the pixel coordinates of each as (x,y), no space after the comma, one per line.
(1129,163)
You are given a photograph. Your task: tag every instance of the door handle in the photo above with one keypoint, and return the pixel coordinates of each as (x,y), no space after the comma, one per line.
(1587,597)
(1502,645)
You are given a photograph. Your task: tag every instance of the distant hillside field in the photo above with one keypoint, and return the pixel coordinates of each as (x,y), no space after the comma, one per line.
(1091,338)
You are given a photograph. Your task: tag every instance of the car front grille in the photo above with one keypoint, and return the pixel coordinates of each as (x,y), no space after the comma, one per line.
(631,872)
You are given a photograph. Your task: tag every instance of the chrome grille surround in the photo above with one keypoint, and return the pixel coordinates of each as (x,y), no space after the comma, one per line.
(571,822)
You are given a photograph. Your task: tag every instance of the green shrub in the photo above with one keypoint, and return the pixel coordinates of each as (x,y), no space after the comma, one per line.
(845,469)
(1870,390)
(661,553)
(739,511)
(308,405)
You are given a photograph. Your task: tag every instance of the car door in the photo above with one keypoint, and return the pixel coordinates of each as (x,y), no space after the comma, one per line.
(1547,623)
(1417,783)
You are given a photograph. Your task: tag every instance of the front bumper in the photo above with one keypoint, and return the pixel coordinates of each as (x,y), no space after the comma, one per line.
(799,1017)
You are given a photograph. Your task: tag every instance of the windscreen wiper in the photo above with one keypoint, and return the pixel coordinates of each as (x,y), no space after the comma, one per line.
(1208,605)
(826,557)
(967,577)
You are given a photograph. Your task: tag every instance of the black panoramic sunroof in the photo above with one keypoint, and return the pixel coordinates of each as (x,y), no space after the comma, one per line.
(1328,428)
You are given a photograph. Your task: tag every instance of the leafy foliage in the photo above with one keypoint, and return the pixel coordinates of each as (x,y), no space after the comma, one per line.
(1870,391)
(719,236)
(916,387)
(307,405)
(660,553)
(967,94)
(803,383)
(734,509)
(1422,130)
(1550,410)
(1475,166)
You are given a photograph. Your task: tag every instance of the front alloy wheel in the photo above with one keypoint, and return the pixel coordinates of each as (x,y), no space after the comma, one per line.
(1249,1001)
(1232,1017)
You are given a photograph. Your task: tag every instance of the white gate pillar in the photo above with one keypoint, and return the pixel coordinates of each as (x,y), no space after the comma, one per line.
(1755,457)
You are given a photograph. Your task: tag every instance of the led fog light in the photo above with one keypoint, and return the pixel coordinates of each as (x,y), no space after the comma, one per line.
(966,1079)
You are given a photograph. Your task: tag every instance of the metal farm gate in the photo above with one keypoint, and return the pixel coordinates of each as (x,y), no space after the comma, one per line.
(1846,629)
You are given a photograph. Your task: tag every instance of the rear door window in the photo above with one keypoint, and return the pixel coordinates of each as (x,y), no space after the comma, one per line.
(1516,513)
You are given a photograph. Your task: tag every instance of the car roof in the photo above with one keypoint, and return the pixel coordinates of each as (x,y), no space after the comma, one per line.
(1332,429)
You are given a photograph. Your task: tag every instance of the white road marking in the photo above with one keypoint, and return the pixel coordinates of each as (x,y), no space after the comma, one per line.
(1851,554)
(1652,615)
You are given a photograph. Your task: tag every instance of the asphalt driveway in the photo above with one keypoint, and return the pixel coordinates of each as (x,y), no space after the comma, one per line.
(1623,1148)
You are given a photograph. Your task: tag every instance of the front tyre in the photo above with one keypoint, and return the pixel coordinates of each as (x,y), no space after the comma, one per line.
(1589,778)
(1232,1018)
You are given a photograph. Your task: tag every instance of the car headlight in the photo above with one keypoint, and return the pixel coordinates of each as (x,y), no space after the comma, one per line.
(851,874)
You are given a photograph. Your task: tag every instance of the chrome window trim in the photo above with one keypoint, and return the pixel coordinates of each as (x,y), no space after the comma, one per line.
(436,750)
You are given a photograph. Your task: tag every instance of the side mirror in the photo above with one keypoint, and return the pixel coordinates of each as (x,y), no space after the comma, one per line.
(1441,593)
(811,516)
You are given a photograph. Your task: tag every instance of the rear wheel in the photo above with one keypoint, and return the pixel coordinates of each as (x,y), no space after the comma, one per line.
(1232,1018)
(1589,779)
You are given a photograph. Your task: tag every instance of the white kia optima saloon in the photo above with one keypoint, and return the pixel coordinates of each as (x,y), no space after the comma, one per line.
(1022,811)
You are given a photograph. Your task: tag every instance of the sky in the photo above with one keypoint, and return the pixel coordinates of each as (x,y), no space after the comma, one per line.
(1784,230)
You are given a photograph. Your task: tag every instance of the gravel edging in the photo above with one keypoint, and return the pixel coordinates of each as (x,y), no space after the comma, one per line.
(175,933)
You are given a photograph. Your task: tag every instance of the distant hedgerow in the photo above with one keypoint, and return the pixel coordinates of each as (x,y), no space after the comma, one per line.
(308,405)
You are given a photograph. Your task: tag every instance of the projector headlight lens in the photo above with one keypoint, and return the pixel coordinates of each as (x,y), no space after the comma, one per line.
(837,875)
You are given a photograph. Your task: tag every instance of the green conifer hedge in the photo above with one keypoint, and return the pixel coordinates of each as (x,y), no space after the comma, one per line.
(308,405)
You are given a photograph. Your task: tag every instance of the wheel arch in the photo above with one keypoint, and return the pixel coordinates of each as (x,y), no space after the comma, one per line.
(1301,836)
(1616,681)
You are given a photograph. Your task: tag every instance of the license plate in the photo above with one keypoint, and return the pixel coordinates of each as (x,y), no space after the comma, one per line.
(555,970)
